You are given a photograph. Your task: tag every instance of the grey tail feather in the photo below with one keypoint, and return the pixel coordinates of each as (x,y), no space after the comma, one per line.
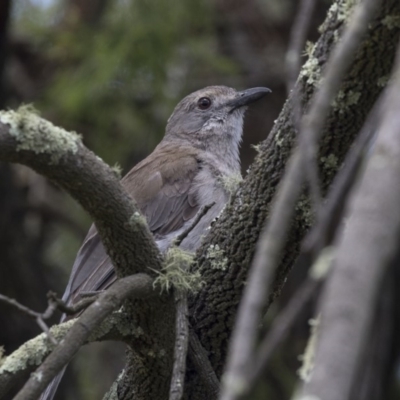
(50,391)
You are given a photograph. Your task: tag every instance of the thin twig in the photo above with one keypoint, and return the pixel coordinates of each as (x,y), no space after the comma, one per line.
(320,236)
(181,345)
(198,356)
(298,37)
(293,63)
(181,321)
(73,308)
(39,317)
(200,214)
(273,237)
(280,329)
(138,286)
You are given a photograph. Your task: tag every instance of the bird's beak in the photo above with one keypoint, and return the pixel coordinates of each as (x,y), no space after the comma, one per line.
(247,96)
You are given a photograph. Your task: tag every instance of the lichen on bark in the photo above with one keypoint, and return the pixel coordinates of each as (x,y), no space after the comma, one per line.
(212,310)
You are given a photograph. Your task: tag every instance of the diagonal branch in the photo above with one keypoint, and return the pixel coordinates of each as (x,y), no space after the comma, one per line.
(365,250)
(60,156)
(31,354)
(273,239)
(136,286)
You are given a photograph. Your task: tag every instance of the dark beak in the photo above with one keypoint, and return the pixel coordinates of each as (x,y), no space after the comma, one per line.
(248,96)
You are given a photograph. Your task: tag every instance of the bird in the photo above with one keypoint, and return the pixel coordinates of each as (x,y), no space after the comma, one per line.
(188,170)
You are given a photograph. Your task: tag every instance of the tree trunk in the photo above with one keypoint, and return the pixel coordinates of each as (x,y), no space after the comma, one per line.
(225,257)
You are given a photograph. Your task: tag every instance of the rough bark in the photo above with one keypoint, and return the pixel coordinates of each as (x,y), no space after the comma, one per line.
(60,156)
(365,248)
(227,252)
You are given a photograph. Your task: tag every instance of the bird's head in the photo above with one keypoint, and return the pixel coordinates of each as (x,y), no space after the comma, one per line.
(212,117)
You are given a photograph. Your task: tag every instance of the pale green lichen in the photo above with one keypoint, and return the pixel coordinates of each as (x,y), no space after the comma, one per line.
(322,265)
(344,100)
(38,376)
(137,221)
(117,169)
(311,71)
(330,162)
(256,147)
(391,21)
(383,80)
(279,139)
(117,320)
(340,10)
(303,206)
(309,48)
(217,257)
(231,182)
(38,135)
(35,350)
(309,354)
(345,9)
(175,272)
(112,394)
(2,351)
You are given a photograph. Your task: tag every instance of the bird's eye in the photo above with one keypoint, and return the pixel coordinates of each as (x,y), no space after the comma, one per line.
(204,103)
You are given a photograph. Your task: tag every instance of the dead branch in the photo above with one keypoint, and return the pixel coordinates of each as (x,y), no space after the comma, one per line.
(137,286)
(365,248)
(297,41)
(181,345)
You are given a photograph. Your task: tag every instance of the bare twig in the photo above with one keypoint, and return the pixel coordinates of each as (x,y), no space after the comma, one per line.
(293,63)
(17,366)
(73,308)
(364,251)
(298,37)
(181,345)
(320,236)
(273,237)
(138,286)
(200,214)
(280,329)
(182,322)
(198,356)
(39,317)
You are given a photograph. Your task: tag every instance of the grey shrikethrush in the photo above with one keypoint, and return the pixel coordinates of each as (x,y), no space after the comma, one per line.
(186,171)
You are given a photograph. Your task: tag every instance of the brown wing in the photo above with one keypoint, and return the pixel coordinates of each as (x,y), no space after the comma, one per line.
(161,185)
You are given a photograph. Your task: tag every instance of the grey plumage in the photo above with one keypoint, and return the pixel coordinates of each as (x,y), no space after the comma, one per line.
(186,171)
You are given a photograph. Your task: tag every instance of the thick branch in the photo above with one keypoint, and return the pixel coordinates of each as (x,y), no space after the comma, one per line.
(60,156)
(272,240)
(229,248)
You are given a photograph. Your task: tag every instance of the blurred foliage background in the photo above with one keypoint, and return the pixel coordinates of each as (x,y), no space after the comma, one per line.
(113,71)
